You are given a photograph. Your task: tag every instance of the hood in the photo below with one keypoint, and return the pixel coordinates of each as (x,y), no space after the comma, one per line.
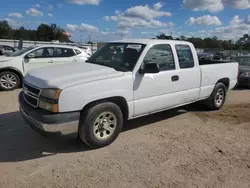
(244,68)
(66,75)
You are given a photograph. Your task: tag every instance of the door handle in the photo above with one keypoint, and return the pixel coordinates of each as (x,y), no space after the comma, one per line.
(51,61)
(175,78)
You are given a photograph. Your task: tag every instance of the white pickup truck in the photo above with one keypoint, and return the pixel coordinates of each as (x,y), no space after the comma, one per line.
(13,67)
(123,80)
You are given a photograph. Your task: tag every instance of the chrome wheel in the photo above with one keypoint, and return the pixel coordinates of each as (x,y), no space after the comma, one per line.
(104,125)
(8,81)
(219,98)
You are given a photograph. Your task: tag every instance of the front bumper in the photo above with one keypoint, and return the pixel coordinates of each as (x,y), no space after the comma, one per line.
(244,81)
(47,122)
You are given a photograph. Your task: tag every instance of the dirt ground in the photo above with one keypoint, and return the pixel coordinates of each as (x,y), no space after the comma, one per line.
(187,147)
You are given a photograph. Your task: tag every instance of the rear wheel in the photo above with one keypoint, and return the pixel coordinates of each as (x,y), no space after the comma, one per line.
(9,81)
(101,124)
(217,98)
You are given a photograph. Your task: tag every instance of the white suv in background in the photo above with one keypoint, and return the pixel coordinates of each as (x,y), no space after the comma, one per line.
(15,66)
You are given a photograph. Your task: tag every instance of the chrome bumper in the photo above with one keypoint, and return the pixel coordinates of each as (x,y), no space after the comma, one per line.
(45,122)
(62,128)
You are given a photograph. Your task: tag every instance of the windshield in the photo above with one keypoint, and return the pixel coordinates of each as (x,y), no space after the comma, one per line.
(243,61)
(120,56)
(20,52)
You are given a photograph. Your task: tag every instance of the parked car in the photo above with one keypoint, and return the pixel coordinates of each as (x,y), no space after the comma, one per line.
(94,98)
(14,66)
(5,50)
(205,56)
(86,49)
(244,77)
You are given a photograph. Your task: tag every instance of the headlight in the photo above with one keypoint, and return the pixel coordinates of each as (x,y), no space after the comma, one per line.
(48,106)
(49,99)
(245,74)
(51,93)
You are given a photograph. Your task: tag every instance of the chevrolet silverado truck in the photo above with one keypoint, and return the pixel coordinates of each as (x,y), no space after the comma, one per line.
(123,80)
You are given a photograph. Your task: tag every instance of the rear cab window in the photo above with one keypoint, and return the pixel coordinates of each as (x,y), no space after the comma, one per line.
(185,56)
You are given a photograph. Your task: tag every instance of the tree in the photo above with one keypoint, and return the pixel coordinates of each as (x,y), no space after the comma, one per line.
(52,32)
(44,32)
(182,37)
(5,30)
(164,37)
(244,41)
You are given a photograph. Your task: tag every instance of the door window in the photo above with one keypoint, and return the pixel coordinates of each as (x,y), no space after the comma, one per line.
(43,53)
(185,56)
(64,52)
(78,52)
(162,55)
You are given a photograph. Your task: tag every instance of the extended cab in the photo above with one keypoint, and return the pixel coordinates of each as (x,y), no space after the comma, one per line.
(123,80)
(15,66)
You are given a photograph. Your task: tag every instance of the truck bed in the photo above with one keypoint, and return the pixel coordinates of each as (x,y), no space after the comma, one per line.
(212,71)
(209,62)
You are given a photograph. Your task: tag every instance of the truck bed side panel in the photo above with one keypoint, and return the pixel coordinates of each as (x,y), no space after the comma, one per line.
(211,74)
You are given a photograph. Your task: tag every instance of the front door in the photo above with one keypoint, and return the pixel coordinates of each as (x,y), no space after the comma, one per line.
(155,92)
(38,58)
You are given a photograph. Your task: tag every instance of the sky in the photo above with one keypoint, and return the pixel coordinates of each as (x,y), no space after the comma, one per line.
(105,20)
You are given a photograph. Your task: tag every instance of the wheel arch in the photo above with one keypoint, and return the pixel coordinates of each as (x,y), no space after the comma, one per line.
(15,70)
(225,81)
(118,100)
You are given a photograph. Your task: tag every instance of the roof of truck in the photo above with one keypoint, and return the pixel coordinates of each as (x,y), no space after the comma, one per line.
(151,41)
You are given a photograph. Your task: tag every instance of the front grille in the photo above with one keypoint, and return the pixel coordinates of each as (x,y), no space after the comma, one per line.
(33,101)
(31,89)
(31,94)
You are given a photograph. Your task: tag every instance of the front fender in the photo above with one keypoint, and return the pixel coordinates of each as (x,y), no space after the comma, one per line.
(75,98)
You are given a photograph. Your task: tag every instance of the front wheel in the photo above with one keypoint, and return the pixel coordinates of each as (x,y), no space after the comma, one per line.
(101,124)
(9,81)
(218,97)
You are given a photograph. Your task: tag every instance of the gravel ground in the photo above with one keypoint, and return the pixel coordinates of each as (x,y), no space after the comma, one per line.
(188,147)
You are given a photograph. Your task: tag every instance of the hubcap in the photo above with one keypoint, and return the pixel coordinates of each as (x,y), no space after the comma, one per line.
(8,81)
(219,97)
(104,125)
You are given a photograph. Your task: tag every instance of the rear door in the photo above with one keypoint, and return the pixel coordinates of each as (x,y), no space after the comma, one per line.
(40,57)
(64,55)
(188,72)
(155,92)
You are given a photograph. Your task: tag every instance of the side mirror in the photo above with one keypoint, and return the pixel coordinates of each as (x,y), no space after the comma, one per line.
(151,68)
(30,55)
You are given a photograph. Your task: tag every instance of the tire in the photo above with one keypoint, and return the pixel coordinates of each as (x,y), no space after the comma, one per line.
(100,125)
(217,98)
(9,86)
